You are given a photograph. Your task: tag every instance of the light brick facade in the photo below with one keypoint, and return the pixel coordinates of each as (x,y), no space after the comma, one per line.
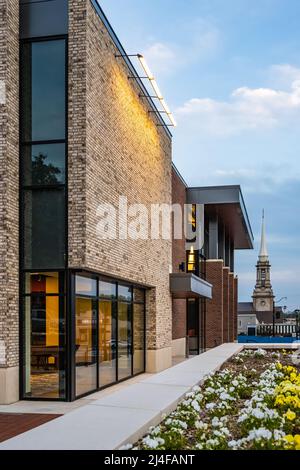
(115,149)
(9,202)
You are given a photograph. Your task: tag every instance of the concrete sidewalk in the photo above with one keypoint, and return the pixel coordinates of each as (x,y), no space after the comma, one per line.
(126,415)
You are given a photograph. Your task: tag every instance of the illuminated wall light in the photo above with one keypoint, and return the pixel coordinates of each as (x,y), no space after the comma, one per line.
(156,89)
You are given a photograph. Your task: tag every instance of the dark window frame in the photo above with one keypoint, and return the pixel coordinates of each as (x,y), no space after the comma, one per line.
(116,301)
(66,297)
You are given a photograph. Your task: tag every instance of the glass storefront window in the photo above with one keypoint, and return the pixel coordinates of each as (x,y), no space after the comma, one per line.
(44,229)
(86,286)
(86,346)
(107,290)
(43,165)
(44,346)
(43,104)
(125,293)
(124,340)
(107,343)
(43,282)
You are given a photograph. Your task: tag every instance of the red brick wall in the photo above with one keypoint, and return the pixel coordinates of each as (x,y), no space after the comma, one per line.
(178,257)
(231,307)
(179,318)
(178,197)
(236,299)
(214,307)
(226,309)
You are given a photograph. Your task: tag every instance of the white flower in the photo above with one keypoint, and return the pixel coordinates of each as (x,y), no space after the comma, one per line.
(153,443)
(195,405)
(201,425)
(155,431)
(215,422)
(257,413)
(225,396)
(210,406)
(259,434)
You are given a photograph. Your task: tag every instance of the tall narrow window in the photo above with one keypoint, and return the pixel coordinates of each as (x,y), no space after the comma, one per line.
(43,216)
(44,342)
(43,153)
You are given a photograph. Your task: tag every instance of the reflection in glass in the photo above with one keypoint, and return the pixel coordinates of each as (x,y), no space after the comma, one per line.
(43,164)
(86,286)
(124,340)
(44,325)
(86,346)
(107,289)
(125,293)
(44,229)
(107,343)
(44,90)
(42,283)
(138,338)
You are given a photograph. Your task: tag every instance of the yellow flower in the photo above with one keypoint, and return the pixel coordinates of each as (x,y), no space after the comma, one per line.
(290,415)
(289,438)
(297,439)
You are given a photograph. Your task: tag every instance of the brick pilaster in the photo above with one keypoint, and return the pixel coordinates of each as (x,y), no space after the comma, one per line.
(236,297)
(231,307)
(226,309)
(214,307)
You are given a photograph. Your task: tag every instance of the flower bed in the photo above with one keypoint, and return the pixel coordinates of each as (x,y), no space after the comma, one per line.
(253,402)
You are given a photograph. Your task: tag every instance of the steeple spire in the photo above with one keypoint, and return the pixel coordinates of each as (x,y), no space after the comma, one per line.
(263,297)
(263,254)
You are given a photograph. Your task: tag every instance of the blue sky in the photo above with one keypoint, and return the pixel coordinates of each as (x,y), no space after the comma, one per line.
(230,71)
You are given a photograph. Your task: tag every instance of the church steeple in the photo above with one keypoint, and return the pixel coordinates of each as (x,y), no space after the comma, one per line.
(263,297)
(263,254)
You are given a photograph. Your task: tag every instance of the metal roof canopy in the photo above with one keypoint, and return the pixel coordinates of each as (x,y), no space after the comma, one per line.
(228,203)
(187,286)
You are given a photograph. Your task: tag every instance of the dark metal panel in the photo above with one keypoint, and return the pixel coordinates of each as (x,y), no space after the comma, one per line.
(184,285)
(43,18)
(228,202)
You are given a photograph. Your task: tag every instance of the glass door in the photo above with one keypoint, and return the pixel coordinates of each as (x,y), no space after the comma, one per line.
(86,335)
(193,326)
(124,340)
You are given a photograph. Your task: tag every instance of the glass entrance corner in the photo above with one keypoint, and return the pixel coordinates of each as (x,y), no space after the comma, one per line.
(70,352)
(109,332)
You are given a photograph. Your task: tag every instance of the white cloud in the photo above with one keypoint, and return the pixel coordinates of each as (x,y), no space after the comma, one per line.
(283,75)
(198,41)
(247,109)
(263,178)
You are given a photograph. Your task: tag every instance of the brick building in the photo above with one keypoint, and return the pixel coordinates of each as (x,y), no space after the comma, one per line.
(79,130)
(208,318)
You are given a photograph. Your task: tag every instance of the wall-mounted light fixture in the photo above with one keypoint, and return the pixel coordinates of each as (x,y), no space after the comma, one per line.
(157,93)
(156,89)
